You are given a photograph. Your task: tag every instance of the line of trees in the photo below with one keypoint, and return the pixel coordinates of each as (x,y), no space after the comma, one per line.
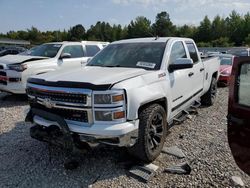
(233,30)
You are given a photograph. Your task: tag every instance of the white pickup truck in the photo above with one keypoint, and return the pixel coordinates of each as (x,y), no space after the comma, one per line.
(15,69)
(127,95)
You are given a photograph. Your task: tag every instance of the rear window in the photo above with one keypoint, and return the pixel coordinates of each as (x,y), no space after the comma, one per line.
(226,61)
(92,50)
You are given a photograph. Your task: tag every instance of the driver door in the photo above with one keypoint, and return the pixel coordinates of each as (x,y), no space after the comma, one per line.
(180,80)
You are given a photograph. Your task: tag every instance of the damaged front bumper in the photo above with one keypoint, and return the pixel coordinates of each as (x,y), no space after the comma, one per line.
(122,135)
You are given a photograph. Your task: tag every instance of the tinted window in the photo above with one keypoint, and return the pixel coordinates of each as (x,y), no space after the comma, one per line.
(136,55)
(92,50)
(178,51)
(244,85)
(192,52)
(75,51)
(226,61)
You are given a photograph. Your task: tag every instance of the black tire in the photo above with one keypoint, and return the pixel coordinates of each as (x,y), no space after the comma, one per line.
(208,98)
(152,133)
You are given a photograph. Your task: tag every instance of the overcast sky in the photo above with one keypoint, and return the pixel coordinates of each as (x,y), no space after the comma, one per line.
(61,14)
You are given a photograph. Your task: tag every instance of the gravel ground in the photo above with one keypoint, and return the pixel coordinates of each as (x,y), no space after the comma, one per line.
(26,162)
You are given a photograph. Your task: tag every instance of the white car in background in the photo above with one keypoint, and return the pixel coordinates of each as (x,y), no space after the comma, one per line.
(15,69)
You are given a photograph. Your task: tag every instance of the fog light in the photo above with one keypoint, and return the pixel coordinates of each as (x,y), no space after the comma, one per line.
(103,116)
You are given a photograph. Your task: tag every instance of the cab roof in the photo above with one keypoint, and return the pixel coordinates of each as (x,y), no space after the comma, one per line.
(64,42)
(79,42)
(150,39)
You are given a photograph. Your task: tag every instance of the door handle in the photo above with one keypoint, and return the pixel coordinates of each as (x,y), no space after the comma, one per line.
(190,74)
(202,69)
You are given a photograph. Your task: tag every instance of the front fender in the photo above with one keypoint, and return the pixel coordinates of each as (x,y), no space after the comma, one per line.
(143,90)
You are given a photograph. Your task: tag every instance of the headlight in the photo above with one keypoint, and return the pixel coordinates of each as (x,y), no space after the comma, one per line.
(18,68)
(109,98)
(109,106)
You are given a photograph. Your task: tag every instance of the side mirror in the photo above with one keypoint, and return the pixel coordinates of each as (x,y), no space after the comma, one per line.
(181,63)
(65,56)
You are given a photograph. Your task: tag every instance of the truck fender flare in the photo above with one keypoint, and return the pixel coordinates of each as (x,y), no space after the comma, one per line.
(161,101)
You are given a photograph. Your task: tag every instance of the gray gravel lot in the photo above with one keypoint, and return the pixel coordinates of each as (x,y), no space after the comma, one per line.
(24,162)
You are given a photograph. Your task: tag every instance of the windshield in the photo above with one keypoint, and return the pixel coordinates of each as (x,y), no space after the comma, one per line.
(226,61)
(135,55)
(45,50)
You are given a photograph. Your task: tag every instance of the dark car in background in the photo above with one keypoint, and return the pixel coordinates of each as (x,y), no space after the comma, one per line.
(239,113)
(12,51)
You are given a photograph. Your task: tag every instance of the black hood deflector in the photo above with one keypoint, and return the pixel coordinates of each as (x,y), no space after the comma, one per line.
(70,84)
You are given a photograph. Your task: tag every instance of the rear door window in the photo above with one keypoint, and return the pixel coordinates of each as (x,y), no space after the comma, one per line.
(177,51)
(76,51)
(192,51)
(92,50)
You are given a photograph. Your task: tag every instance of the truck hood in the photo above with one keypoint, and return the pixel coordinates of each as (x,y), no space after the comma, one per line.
(16,59)
(94,75)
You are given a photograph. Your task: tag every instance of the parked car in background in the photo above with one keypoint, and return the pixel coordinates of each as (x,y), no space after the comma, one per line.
(12,51)
(15,69)
(239,113)
(212,53)
(127,95)
(226,63)
(240,52)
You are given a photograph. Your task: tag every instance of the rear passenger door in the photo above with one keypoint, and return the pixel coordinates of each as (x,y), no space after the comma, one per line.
(180,82)
(197,73)
(77,57)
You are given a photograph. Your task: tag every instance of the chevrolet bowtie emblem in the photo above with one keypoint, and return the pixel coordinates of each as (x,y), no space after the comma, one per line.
(48,103)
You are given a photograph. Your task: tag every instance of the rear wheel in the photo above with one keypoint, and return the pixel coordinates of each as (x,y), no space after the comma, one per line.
(208,98)
(152,133)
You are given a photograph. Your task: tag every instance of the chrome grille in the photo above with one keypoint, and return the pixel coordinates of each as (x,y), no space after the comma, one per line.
(58,96)
(69,103)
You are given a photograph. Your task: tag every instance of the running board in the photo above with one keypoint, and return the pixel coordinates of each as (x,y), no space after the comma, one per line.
(182,116)
(196,105)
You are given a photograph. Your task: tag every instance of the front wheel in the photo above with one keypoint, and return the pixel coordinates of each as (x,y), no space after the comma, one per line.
(208,98)
(152,133)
